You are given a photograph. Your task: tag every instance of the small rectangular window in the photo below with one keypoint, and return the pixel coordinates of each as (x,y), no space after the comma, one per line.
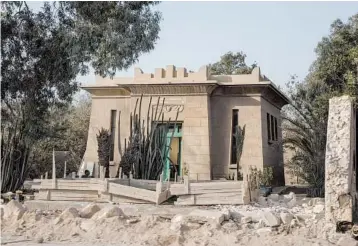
(113,133)
(234,125)
(276,135)
(272,133)
(272,123)
(268,127)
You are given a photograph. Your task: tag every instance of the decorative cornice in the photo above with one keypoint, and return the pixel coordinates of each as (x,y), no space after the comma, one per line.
(267,91)
(170,89)
(107,91)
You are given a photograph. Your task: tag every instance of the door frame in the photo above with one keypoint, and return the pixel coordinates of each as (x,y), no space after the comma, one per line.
(176,134)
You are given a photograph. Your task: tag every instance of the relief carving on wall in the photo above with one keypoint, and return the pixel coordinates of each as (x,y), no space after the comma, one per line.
(169,108)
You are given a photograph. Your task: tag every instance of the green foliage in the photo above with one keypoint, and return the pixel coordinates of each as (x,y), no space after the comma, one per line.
(239,136)
(305,130)
(147,149)
(337,55)
(334,72)
(231,63)
(260,177)
(104,146)
(42,54)
(71,137)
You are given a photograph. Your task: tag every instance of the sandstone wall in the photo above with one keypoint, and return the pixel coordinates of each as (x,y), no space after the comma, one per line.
(221,123)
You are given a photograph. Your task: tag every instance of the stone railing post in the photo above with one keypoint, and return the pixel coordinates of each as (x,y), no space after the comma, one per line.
(54,183)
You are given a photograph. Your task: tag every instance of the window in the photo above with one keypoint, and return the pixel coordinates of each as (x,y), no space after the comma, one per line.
(268,127)
(272,134)
(276,135)
(234,125)
(113,133)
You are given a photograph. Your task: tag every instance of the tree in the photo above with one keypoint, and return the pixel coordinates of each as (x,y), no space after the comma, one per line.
(305,119)
(231,63)
(304,130)
(337,55)
(42,54)
(72,138)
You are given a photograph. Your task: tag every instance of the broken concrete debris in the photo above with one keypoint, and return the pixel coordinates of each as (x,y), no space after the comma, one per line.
(211,223)
(89,210)
(286,218)
(108,212)
(270,219)
(69,213)
(207,216)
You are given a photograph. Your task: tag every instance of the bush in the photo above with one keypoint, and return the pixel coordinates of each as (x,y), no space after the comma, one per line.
(260,177)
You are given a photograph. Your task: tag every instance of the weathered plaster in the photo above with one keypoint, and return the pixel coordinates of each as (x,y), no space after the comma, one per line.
(339,188)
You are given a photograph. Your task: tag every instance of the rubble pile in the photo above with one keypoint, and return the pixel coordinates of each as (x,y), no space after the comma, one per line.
(275,220)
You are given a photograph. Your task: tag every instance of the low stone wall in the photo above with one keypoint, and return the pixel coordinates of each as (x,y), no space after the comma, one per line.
(114,190)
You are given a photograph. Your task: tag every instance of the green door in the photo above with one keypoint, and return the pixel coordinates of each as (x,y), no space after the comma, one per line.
(173,161)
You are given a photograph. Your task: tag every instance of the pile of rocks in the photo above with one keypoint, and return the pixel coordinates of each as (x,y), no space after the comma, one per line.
(274,218)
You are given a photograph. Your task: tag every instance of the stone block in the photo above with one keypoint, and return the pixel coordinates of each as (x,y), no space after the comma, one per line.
(89,210)
(199,168)
(286,218)
(182,72)
(170,72)
(201,215)
(198,131)
(202,159)
(69,213)
(204,176)
(191,140)
(108,212)
(245,220)
(319,208)
(270,219)
(204,122)
(192,122)
(199,150)
(196,112)
(159,73)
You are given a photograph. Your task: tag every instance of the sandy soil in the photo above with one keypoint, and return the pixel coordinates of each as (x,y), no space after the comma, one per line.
(156,225)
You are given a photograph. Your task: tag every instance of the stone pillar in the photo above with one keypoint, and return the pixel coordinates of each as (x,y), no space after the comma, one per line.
(196,137)
(339,191)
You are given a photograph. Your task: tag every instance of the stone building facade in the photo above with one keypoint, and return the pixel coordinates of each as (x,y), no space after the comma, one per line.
(210,107)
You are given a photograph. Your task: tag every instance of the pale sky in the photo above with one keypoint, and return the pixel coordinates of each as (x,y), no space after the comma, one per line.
(279,36)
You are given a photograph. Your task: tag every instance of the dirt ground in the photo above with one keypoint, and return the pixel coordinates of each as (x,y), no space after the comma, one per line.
(280,221)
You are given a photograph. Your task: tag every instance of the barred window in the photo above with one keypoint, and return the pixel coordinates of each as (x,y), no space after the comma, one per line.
(272,133)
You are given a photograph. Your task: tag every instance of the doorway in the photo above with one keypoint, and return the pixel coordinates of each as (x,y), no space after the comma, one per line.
(174,143)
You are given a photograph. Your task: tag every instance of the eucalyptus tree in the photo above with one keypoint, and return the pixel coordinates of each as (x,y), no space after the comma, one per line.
(305,119)
(232,63)
(42,54)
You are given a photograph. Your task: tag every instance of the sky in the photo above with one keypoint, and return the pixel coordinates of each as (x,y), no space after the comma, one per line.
(279,36)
